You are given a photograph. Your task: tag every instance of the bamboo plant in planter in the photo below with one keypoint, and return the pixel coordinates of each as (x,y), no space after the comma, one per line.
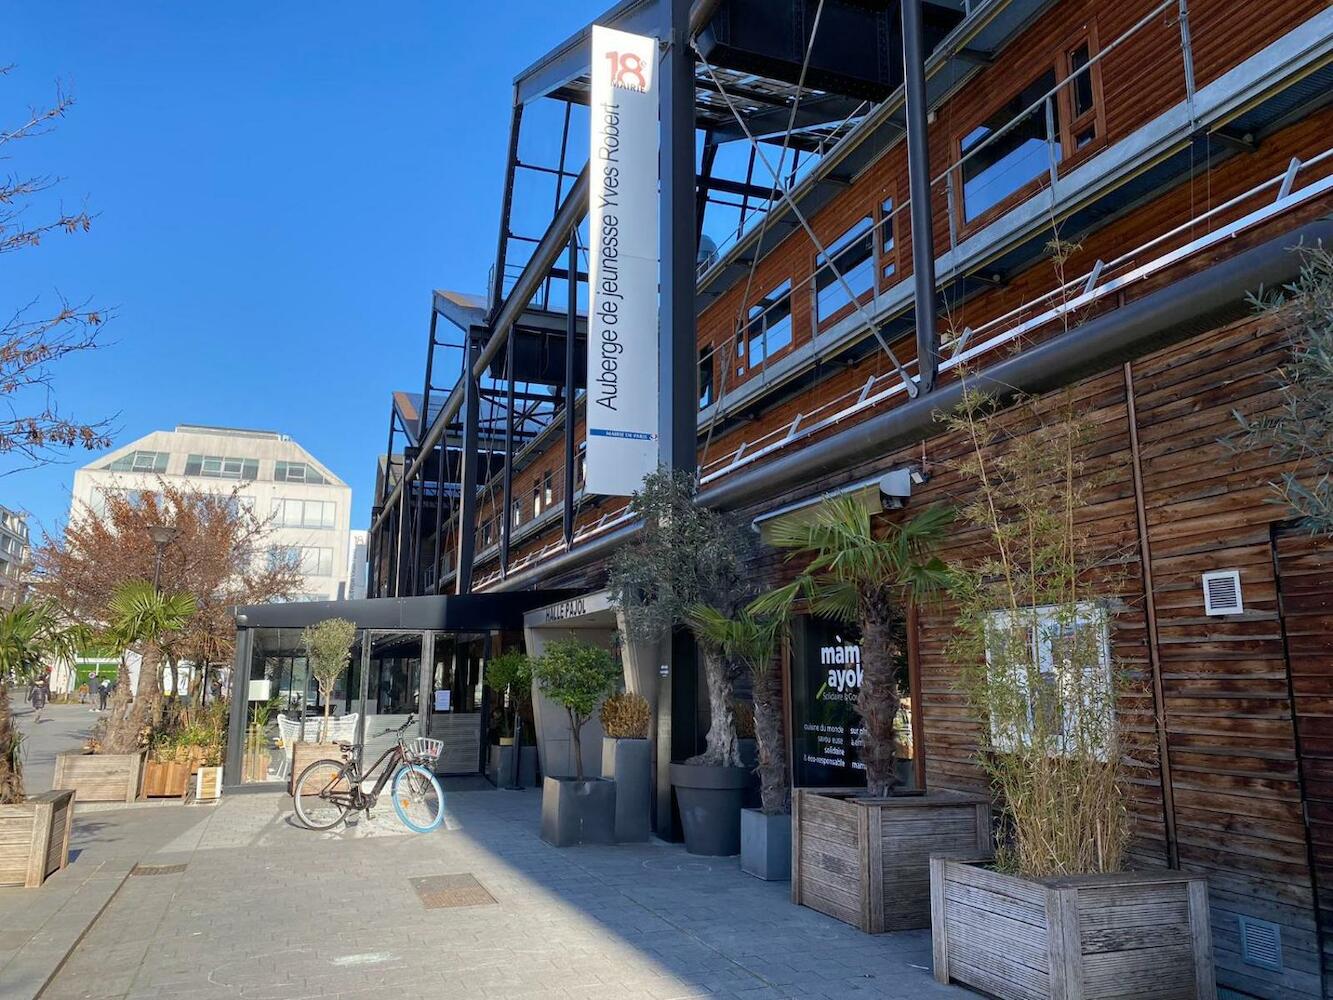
(1053,913)
(577,810)
(863,856)
(627,760)
(687,555)
(34,830)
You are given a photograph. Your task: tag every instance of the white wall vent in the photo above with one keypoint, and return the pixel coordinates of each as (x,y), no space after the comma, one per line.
(1261,943)
(1221,593)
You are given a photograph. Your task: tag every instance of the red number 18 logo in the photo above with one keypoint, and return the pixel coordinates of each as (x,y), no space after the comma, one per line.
(627,71)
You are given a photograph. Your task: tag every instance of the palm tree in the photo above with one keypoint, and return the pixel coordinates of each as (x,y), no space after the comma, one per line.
(141,615)
(751,639)
(30,635)
(860,577)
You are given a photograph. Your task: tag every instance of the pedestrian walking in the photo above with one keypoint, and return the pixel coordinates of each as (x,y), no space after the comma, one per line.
(38,696)
(103,692)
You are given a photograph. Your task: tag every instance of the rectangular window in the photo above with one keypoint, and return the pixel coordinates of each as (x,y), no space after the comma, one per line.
(221,467)
(289,513)
(141,461)
(852,257)
(767,328)
(547,492)
(516,513)
(536,499)
(887,241)
(1060,660)
(486,534)
(297,472)
(1081,94)
(705,377)
(582,466)
(1010,149)
(316,560)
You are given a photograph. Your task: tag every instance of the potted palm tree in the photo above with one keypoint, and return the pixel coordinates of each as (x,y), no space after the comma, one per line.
(751,638)
(862,855)
(510,762)
(141,616)
(687,555)
(34,830)
(627,760)
(577,810)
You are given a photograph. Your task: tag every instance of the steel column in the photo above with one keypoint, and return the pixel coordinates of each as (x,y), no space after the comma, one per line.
(918,180)
(678,402)
(571,332)
(467,475)
(507,524)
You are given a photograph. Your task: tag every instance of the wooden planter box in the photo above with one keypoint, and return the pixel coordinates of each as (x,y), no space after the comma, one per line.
(1077,938)
(867,861)
(34,838)
(99,777)
(170,779)
(165,780)
(305,754)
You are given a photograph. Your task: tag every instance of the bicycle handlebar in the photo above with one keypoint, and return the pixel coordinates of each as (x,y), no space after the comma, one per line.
(403,728)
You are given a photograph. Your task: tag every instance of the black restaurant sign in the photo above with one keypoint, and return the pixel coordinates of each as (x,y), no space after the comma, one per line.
(827,734)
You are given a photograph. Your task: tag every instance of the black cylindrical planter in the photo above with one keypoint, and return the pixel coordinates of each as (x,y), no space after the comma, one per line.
(710,807)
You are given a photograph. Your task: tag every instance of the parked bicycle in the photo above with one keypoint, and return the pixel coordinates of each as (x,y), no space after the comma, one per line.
(327,790)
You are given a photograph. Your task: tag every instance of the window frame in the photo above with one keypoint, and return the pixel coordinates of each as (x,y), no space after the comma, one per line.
(1088,613)
(743,363)
(884,279)
(862,228)
(1069,156)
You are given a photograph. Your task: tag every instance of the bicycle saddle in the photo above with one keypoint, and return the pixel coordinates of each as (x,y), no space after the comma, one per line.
(344,746)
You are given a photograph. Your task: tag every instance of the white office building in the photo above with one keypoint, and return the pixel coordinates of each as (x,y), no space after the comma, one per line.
(356,565)
(310,507)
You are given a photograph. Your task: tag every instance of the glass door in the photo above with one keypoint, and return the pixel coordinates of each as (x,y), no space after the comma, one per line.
(455,707)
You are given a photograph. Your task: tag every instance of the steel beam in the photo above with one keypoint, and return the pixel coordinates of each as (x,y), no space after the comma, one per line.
(918,181)
(507,523)
(571,331)
(467,476)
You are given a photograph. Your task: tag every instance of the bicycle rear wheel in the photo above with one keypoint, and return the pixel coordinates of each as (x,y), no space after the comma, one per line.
(418,798)
(319,793)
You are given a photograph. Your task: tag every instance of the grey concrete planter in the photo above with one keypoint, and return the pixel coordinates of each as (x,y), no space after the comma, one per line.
(578,812)
(766,845)
(629,764)
(710,807)
(500,766)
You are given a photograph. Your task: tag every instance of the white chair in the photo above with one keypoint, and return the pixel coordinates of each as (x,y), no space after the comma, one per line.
(289,731)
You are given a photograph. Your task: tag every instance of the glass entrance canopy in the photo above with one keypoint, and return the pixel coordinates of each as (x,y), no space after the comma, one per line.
(422,656)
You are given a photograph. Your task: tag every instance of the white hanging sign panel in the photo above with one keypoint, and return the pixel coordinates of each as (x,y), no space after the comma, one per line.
(622,402)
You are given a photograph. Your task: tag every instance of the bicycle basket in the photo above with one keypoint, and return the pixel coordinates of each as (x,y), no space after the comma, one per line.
(424,750)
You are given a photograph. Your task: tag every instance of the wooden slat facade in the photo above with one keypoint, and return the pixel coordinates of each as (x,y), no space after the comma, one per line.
(1229,726)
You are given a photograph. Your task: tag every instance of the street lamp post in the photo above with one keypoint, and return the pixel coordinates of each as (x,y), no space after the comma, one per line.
(162,535)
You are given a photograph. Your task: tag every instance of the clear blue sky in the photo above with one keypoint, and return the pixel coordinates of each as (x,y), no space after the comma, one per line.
(278,187)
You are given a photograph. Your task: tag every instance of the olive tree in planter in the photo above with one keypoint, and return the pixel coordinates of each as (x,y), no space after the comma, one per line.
(577,810)
(328,646)
(510,761)
(752,639)
(1053,913)
(34,830)
(627,760)
(688,555)
(863,855)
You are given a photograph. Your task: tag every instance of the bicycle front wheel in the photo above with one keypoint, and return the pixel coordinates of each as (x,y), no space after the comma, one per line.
(321,794)
(418,798)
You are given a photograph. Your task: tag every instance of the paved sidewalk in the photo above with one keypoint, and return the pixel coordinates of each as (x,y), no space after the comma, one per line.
(63,727)
(263,910)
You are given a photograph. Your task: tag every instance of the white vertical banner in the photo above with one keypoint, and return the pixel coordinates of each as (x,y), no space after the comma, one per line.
(622,401)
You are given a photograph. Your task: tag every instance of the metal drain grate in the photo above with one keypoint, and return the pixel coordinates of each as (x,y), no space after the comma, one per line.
(438,892)
(156,869)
